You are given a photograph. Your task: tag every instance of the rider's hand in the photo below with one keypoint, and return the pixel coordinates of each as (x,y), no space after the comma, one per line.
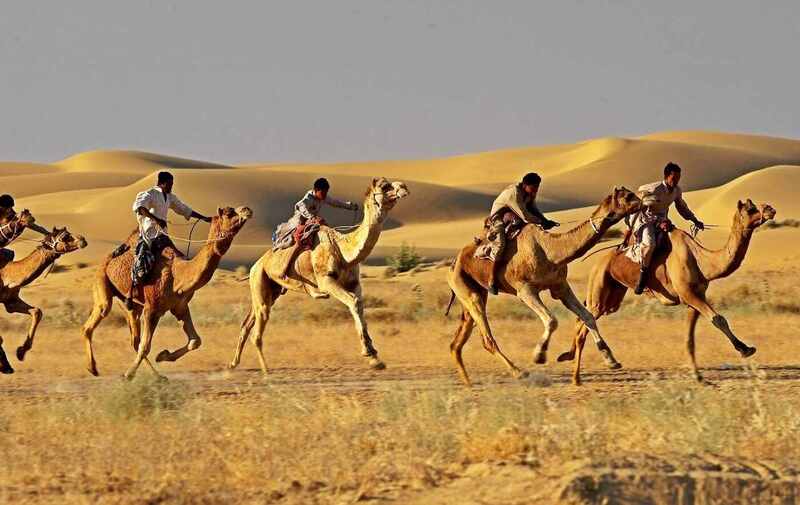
(161,222)
(547,224)
(699,224)
(354,207)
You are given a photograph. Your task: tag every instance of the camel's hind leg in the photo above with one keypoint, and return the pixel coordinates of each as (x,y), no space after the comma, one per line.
(150,321)
(457,345)
(102,296)
(473,299)
(18,306)
(5,366)
(693,316)
(263,293)
(135,328)
(532,299)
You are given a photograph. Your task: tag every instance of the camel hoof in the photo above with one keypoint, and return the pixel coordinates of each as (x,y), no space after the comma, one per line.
(193,344)
(614,365)
(163,356)
(93,370)
(748,351)
(540,357)
(566,356)
(6,369)
(21,350)
(377,364)
(232,365)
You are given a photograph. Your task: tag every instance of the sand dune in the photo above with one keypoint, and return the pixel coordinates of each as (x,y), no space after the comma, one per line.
(129,161)
(92,192)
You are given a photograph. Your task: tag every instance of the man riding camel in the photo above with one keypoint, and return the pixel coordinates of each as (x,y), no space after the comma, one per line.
(306,219)
(7,216)
(150,208)
(513,208)
(657,197)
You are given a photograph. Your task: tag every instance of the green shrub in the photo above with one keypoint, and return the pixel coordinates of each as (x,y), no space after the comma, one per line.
(405,259)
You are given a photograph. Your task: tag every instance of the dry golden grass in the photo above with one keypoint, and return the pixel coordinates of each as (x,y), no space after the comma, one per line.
(324,429)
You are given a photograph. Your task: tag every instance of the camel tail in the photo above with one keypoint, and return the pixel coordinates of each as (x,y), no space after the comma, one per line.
(450,303)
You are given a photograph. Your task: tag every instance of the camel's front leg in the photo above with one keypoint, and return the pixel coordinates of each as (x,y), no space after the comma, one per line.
(698,302)
(571,302)
(184,316)
(150,322)
(18,306)
(531,298)
(5,366)
(355,303)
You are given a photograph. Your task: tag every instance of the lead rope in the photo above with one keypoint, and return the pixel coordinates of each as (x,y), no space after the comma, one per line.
(189,242)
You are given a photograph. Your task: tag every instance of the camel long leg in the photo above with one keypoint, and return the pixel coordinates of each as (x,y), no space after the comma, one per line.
(531,298)
(694,315)
(247,326)
(699,303)
(5,366)
(193,340)
(102,297)
(150,322)
(456,346)
(354,301)
(474,302)
(571,302)
(261,300)
(19,306)
(135,329)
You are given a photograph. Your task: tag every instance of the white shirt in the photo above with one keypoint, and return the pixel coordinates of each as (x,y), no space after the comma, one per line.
(657,198)
(154,201)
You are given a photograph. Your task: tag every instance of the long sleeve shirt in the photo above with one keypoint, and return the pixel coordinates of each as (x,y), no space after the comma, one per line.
(514,199)
(158,203)
(309,206)
(657,198)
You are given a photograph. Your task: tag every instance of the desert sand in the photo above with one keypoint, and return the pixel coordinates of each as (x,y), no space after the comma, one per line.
(324,428)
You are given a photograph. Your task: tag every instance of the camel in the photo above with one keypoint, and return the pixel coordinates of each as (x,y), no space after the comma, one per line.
(331,268)
(172,290)
(16,275)
(532,262)
(681,273)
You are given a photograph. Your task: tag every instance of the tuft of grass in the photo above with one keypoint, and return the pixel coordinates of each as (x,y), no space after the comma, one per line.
(405,259)
(146,396)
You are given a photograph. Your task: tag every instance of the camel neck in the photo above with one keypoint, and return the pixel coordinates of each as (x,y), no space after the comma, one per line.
(357,245)
(201,268)
(723,262)
(23,272)
(570,245)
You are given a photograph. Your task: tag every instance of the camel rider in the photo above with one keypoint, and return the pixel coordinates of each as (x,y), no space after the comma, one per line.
(656,200)
(306,219)
(515,206)
(150,208)
(7,216)
(306,211)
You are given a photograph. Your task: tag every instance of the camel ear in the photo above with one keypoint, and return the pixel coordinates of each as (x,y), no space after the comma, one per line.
(374,181)
(219,211)
(750,203)
(739,205)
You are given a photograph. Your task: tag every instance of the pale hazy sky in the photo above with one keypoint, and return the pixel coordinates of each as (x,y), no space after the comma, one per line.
(235,81)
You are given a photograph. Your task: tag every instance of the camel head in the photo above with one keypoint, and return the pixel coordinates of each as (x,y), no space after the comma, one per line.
(61,241)
(229,221)
(621,202)
(751,216)
(383,194)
